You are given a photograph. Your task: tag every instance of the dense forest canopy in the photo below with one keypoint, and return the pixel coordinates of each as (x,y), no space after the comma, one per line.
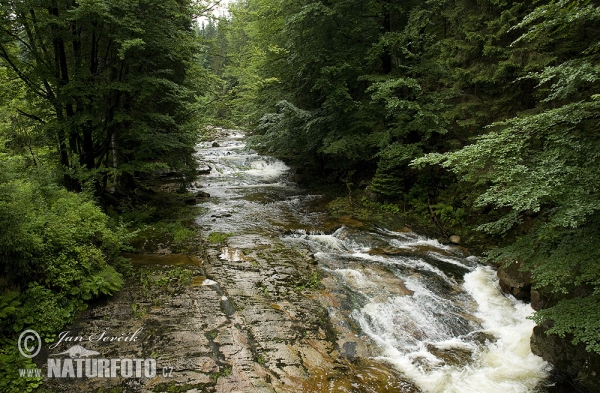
(107,82)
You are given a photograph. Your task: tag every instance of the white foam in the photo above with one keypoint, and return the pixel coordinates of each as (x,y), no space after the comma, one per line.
(413,242)
(329,241)
(267,170)
(413,263)
(209,282)
(354,276)
(449,260)
(504,366)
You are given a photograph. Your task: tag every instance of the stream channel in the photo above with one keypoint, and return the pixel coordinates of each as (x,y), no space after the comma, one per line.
(417,307)
(296,301)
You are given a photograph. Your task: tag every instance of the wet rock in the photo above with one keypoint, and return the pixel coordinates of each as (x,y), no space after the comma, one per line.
(387,283)
(480,337)
(349,350)
(577,366)
(168,187)
(221,215)
(386,251)
(180,303)
(166,173)
(365,376)
(202,195)
(216,144)
(233,255)
(172,326)
(538,300)
(514,281)
(454,356)
(455,239)
(203,170)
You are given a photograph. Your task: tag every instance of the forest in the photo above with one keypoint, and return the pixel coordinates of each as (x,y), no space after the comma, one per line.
(483,114)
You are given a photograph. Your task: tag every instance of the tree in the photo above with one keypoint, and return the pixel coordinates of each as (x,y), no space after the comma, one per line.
(112,81)
(541,169)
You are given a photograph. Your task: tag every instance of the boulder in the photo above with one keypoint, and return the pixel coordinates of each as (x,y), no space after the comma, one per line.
(190,200)
(455,239)
(221,215)
(202,195)
(215,144)
(514,281)
(538,300)
(203,170)
(574,364)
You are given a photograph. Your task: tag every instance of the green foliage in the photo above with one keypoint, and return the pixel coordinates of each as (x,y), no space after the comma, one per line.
(11,361)
(94,95)
(312,281)
(224,371)
(49,234)
(57,252)
(219,237)
(9,303)
(241,52)
(149,278)
(541,159)
(449,216)
(110,85)
(390,178)
(44,311)
(540,170)
(577,318)
(176,235)
(390,208)
(177,232)
(311,93)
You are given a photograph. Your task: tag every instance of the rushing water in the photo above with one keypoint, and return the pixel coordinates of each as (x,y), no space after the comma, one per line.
(436,315)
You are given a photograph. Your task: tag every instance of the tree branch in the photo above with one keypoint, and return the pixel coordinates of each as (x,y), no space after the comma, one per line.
(29,115)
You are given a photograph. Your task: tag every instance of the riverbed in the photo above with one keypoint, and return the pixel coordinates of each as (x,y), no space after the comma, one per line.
(419,308)
(288,299)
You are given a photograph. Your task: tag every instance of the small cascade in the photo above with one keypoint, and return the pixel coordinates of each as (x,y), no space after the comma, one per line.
(434,314)
(438,316)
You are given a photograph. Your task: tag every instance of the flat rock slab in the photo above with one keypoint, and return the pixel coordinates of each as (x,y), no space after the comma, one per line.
(260,323)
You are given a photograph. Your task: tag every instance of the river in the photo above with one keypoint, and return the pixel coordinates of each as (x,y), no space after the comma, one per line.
(430,315)
(284,298)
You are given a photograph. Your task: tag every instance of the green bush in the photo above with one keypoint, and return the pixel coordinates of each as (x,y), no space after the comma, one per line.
(58,250)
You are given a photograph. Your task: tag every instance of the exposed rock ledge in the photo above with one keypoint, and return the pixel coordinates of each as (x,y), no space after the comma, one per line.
(243,318)
(574,366)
